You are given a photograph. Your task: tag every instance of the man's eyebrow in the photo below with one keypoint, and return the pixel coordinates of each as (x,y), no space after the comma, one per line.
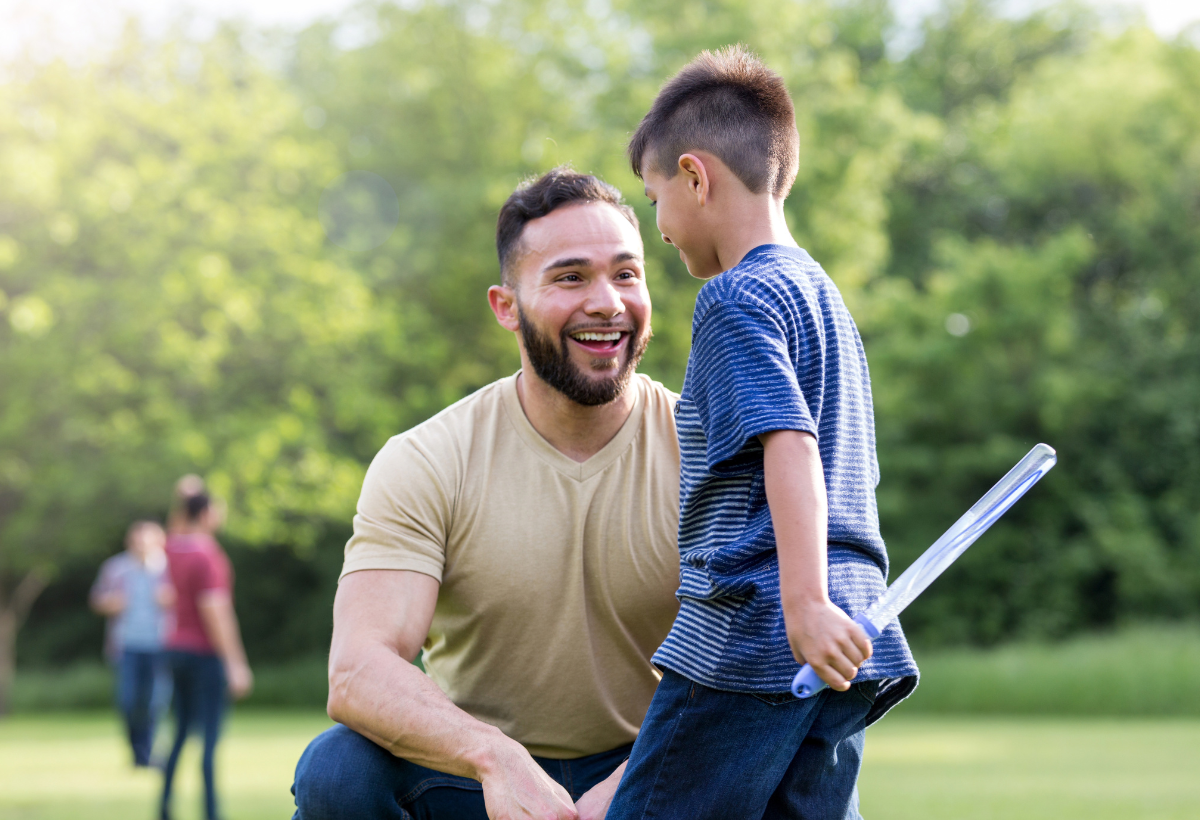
(626,256)
(570,262)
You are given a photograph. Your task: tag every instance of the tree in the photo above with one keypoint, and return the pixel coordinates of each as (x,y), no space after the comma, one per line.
(1045,272)
(168,306)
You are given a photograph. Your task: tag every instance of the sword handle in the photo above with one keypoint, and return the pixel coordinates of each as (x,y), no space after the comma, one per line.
(807,682)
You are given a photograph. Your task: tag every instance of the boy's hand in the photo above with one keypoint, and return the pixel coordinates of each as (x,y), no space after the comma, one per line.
(826,638)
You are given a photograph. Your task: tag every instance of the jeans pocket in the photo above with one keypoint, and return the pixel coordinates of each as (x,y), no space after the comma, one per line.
(774,698)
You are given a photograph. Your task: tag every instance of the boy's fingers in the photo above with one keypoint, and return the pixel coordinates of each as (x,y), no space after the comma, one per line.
(863,642)
(844,669)
(854,652)
(834,678)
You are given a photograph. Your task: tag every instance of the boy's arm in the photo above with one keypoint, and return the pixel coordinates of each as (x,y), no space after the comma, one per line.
(819,632)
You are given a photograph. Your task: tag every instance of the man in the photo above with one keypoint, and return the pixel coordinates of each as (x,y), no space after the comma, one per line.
(526,537)
(133,592)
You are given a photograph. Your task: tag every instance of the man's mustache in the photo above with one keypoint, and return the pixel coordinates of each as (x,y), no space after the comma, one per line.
(624,328)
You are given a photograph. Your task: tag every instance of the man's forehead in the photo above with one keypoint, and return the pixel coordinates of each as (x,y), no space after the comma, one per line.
(593,230)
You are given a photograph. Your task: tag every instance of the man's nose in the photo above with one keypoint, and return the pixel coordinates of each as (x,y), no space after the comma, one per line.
(604,300)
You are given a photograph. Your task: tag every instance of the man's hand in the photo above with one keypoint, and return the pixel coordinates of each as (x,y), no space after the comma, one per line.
(595,802)
(515,787)
(826,638)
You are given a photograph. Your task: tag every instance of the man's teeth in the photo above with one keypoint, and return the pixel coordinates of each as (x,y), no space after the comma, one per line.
(596,337)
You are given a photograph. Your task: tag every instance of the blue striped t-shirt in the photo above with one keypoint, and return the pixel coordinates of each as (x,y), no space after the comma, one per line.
(773,348)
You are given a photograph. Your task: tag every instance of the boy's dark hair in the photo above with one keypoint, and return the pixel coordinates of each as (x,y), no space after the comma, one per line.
(195,505)
(535,198)
(729,104)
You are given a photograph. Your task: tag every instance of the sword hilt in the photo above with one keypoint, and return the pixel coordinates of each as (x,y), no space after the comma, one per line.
(807,682)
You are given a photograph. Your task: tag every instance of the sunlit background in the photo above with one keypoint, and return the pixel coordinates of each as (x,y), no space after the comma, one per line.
(252,241)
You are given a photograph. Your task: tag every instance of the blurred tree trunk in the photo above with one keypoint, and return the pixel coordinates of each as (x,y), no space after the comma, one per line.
(13,609)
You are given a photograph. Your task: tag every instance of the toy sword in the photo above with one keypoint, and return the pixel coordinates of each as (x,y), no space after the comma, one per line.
(942,554)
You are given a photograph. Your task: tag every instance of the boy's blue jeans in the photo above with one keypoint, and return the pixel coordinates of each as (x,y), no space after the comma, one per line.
(342,775)
(705,754)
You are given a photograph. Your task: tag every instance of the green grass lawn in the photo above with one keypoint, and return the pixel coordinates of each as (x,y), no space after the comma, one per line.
(72,766)
(75,766)
(973,768)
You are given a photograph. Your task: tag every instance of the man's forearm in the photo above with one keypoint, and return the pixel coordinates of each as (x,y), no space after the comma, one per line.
(383,697)
(380,619)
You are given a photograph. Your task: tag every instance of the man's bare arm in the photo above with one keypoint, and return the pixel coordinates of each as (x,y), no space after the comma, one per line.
(221,626)
(380,620)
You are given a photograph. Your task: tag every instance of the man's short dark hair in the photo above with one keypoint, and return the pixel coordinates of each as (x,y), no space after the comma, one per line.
(534,198)
(729,104)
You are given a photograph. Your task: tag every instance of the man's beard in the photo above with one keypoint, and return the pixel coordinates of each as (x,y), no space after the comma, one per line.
(553,365)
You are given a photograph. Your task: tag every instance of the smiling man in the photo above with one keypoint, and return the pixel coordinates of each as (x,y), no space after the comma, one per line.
(526,538)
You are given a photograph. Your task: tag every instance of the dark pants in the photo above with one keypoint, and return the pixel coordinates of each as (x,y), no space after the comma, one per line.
(342,775)
(141,683)
(199,702)
(704,754)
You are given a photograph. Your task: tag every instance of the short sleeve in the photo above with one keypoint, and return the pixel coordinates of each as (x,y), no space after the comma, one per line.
(404,511)
(109,579)
(743,382)
(213,573)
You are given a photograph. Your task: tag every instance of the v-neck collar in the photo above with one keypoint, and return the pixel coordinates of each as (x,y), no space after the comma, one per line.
(580,471)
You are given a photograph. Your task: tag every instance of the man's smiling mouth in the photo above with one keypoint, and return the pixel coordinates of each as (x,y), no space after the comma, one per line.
(599,341)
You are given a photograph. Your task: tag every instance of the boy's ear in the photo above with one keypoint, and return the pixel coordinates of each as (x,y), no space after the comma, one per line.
(503,301)
(696,176)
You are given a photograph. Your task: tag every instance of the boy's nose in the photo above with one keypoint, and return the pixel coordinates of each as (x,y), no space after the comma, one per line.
(667,239)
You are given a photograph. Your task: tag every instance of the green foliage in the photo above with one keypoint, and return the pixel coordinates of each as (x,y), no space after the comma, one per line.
(1061,223)
(1011,211)
(170,305)
(1141,671)
(86,686)
(1144,671)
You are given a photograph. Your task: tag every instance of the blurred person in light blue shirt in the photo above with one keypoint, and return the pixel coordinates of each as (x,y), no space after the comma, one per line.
(133,591)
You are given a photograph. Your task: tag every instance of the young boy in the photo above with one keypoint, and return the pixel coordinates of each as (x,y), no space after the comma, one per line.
(778,532)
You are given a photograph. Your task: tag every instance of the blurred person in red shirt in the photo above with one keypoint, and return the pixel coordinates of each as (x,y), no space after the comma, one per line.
(204,649)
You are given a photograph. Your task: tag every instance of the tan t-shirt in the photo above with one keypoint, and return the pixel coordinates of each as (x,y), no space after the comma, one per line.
(557,578)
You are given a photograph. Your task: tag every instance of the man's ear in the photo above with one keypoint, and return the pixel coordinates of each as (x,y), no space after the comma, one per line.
(696,176)
(503,301)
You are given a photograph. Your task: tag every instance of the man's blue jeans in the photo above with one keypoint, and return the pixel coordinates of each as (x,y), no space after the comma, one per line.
(704,754)
(342,775)
(141,689)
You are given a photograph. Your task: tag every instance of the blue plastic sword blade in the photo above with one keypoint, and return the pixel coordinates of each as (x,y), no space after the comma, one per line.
(934,561)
